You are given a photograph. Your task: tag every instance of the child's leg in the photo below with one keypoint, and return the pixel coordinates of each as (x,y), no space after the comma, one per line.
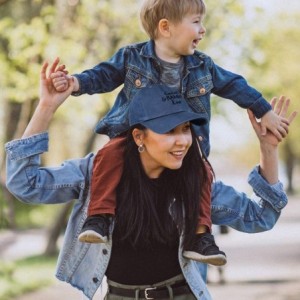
(204,248)
(107,172)
(204,220)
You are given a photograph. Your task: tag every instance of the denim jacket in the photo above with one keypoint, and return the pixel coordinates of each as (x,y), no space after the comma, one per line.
(137,66)
(84,265)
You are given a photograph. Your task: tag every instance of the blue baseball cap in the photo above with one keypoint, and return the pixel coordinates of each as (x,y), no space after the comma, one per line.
(161,108)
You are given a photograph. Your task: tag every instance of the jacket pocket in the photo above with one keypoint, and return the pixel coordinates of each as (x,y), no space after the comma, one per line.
(136,79)
(198,94)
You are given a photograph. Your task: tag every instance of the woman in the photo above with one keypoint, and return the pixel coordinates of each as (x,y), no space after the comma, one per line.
(155,219)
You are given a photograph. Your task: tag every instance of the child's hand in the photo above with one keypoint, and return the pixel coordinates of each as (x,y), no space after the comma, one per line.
(59,76)
(275,122)
(49,96)
(60,81)
(281,110)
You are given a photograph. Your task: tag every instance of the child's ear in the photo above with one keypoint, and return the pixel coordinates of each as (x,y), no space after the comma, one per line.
(164,27)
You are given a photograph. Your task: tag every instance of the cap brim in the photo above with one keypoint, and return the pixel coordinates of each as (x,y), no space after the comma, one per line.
(168,122)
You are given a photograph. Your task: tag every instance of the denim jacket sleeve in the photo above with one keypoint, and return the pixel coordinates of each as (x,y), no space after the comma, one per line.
(235,87)
(248,214)
(31,183)
(104,77)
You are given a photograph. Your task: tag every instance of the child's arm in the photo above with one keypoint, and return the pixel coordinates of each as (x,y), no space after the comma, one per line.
(273,122)
(233,86)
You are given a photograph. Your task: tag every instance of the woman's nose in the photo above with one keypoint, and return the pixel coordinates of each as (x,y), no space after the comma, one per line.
(183,139)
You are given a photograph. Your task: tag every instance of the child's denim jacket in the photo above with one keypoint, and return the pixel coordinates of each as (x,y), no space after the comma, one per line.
(84,265)
(137,66)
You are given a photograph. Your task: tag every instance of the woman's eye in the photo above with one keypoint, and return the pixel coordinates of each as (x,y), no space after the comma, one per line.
(187,128)
(170,131)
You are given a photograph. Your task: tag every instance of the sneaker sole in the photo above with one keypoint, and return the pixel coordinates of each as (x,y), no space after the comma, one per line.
(92,237)
(216,260)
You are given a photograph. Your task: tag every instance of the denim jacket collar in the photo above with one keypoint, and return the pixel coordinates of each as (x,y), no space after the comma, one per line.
(191,61)
(148,50)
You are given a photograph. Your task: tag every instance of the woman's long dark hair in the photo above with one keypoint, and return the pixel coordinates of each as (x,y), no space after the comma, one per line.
(137,219)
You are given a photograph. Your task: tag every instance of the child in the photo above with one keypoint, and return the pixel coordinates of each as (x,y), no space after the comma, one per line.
(170,57)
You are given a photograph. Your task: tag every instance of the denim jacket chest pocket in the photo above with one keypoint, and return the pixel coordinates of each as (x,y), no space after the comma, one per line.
(137,78)
(198,94)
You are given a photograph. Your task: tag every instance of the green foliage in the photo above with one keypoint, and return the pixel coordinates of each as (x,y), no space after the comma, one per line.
(29,216)
(274,64)
(23,276)
(35,216)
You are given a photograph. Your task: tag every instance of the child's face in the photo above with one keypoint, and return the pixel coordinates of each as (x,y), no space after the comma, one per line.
(186,35)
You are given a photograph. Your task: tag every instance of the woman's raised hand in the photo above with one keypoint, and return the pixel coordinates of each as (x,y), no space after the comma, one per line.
(49,101)
(280,107)
(49,97)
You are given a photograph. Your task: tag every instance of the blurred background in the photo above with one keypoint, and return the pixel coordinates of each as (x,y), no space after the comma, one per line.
(258,39)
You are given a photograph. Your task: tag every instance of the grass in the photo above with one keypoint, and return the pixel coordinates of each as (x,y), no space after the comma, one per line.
(25,275)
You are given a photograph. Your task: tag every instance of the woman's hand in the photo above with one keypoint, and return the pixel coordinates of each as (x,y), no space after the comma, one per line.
(280,107)
(49,97)
(49,101)
(268,166)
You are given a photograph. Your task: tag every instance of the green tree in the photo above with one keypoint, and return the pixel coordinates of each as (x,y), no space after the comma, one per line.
(275,70)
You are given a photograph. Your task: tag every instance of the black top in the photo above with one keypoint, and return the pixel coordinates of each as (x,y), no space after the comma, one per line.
(134,265)
(143,266)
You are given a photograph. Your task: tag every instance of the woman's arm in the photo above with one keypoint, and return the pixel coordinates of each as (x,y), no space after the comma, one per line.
(259,213)
(269,143)
(25,177)
(32,183)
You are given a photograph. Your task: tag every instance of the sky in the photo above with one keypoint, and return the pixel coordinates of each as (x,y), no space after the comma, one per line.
(273,5)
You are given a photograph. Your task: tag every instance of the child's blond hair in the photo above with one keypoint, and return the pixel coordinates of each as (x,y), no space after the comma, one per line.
(152,11)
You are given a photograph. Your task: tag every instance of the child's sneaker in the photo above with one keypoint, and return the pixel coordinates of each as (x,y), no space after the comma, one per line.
(205,250)
(95,229)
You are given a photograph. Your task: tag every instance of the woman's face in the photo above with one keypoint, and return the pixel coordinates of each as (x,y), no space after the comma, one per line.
(163,150)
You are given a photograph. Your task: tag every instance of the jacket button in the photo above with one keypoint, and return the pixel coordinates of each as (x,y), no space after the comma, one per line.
(104,251)
(138,83)
(95,280)
(202,91)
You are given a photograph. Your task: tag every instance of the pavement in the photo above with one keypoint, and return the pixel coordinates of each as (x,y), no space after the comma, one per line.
(260,266)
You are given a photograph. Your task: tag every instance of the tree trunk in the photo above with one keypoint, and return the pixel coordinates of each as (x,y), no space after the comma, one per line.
(13,111)
(55,231)
(7,219)
(289,161)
